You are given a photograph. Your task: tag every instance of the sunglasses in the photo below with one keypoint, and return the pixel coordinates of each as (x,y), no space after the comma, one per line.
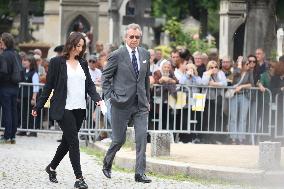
(132,37)
(92,61)
(253,61)
(213,67)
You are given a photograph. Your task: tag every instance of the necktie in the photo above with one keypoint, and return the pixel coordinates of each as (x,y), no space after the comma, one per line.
(134,64)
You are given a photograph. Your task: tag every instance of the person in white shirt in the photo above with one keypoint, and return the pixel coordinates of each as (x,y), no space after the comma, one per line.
(69,78)
(95,73)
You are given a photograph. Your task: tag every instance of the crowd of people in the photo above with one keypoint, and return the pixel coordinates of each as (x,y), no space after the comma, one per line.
(181,68)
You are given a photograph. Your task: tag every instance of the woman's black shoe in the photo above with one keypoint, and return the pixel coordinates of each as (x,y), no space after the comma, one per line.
(52,174)
(80,183)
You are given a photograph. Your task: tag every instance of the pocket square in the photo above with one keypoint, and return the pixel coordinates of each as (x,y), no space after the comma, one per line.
(144,61)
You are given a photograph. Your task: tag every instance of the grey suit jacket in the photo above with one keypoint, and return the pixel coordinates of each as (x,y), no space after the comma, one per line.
(119,80)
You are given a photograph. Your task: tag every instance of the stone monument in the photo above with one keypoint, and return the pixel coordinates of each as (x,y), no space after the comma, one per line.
(70,10)
(232,16)
(280,39)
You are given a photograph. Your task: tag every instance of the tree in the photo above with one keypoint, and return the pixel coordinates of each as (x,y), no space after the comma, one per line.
(170,8)
(206,11)
(181,38)
(260,31)
(202,10)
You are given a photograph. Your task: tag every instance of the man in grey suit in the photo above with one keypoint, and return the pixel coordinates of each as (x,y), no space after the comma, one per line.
(126,82)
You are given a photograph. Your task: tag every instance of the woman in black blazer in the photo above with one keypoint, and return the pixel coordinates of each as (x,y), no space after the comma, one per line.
(69,77)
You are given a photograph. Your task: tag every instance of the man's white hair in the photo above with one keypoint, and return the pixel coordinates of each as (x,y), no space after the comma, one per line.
(132,26)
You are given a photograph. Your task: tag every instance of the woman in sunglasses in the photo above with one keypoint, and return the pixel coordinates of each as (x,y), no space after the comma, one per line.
(255,97)
(213,77)
(239,103)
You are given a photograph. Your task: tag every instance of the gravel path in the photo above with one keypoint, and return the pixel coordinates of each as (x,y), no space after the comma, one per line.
(22,166)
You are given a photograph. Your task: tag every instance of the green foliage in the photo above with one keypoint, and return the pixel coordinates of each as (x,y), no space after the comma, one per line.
(209,4)
(4,7)
(170,8)
(279,10)
(213,22)
(273,55)
(166,50)
(180,38)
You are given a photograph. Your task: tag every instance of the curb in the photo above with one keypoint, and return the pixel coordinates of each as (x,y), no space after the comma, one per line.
(231,174)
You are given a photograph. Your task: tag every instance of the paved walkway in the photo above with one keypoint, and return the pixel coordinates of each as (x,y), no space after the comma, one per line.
(22,166)
(240,156)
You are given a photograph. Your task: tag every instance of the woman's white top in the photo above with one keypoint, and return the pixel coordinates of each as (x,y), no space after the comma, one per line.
(181,77)
(75,88)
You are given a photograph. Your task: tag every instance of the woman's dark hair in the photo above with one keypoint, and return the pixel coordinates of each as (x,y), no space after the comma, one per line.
(253,56)
(32,60)
(72,41)
(256,69)
(8,40)
(185,54)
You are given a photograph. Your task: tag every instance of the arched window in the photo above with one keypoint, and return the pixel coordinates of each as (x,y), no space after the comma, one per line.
(130,8)
(79,21)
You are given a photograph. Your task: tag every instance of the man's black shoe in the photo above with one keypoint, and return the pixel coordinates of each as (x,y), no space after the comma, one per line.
(32,134)
(21,133)
(52,174)
(107,172)
(142,178)
(80,183)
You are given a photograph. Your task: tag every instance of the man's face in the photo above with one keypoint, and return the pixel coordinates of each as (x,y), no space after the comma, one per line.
(259,55)
(198,60)
(99,47)
(226,64)
(132,38)
(175,57)
(158,55)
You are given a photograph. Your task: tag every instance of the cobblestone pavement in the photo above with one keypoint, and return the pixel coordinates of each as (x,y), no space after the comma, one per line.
(22,166)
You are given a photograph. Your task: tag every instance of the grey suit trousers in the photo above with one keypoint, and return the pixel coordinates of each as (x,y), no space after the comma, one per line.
(120,119)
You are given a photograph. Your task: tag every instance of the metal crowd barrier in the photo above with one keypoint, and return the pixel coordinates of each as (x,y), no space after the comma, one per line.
(218,110)
(179,109)
(278,115)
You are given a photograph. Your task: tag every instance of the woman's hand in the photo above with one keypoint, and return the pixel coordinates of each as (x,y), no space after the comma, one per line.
(102,105)
(34,113)
(261,88)
(238,89)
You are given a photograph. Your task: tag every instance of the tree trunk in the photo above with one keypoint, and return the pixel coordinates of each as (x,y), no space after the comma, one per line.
(260,31)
